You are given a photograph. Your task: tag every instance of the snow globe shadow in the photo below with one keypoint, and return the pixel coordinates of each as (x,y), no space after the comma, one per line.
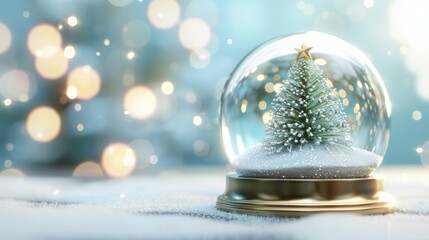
(290,121)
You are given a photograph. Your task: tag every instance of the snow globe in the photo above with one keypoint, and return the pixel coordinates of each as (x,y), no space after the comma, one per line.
(305,122)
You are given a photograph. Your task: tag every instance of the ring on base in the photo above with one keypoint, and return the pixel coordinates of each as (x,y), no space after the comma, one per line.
(302,197)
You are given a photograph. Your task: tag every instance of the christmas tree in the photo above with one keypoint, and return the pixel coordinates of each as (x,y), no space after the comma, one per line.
(306,110)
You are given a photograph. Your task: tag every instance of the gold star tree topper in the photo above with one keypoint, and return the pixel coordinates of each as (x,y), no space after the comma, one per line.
(303,52)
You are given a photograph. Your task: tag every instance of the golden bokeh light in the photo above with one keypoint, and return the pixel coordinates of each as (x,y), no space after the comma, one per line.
(53,65)
(15,85)
(320,61)
(43,124)
(262,105)
(243,106)
(342,93)
(42,38)
(6,38)
(269,87)
(88,169)
(118,160)
(140,102)
(163,14)
(167,87)
(260,77)
(12,172)
(266,117)
(194,33)
(83,83)
(278,87)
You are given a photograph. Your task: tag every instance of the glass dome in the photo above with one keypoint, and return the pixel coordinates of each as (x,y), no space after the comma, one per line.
(246,108)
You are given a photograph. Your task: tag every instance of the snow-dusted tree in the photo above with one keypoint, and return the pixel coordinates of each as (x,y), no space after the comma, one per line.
(305,111)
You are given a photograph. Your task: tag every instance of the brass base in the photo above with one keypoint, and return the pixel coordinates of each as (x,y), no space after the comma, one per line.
(302,197)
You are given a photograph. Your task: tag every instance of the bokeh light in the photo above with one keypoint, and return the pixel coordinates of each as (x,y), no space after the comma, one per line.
(368,3)
(88,169)
(194,33)
(15,85)
(83,83)
(7,102)
(72,21)
(140,102)
(131,55)
(419,150)
(43,124)
(167,87)
(163,14)
(12,172)
(44,39)
(69,52)
(118,160)
(417,115)
(53,65)
(6,38)
(197,120)
(8,163)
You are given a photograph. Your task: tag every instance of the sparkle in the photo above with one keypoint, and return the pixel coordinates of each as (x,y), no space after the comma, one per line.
(417,115)
(153,159)
(77,107)
(7,102)
(72,21)
(130,55)
(368,3)
(197,120)
(167,87)
(419,150)
(80,127)
(69,52)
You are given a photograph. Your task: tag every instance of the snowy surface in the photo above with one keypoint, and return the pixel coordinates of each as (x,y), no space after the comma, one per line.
(182,207)
(312,161)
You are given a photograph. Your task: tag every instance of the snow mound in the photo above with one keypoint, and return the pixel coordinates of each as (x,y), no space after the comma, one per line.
(312,161)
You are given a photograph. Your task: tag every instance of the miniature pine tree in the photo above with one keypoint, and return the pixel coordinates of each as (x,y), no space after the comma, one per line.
(305,111)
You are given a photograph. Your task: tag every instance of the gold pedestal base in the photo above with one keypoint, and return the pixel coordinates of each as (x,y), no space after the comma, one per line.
(302,197)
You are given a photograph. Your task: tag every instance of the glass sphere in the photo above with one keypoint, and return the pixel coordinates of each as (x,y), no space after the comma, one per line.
(246,108)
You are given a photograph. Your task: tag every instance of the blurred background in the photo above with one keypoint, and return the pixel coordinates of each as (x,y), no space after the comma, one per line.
(133,86)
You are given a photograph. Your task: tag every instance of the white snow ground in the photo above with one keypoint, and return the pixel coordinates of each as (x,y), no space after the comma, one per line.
(312,161)
(183,207)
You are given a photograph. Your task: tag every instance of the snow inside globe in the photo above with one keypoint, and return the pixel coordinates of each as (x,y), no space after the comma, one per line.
(306,105)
